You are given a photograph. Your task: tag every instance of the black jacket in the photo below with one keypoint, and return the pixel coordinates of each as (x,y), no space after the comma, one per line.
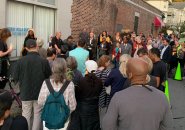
(16,123)
(167,55)
(24,51)
(92,48)
(86,115)
(30,72)
(56,41)
(89,86)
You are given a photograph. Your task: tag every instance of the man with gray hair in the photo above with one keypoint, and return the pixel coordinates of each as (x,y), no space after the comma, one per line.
(139,107)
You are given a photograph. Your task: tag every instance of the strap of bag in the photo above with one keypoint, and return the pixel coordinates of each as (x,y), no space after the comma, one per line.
(50,87)
(64,86)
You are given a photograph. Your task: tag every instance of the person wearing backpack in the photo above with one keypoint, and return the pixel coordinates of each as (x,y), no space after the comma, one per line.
(57,95)
(6,121)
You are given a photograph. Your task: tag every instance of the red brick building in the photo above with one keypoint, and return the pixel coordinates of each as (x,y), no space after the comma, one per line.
(113,15)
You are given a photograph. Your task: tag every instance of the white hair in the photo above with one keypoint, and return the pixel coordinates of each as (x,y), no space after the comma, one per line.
(123,64)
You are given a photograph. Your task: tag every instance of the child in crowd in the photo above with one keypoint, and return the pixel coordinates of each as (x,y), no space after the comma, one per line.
(116,55)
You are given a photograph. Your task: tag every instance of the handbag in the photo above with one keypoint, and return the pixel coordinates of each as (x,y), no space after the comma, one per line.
(108,89)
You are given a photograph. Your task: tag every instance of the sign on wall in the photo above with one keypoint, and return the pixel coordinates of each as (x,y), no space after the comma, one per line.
(18,31)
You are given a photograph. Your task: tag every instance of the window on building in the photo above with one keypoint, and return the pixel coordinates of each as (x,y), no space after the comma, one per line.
(136,22)
(41,19)
(119,27)
(51,2)
(152,28)
(19,24)
(44,23)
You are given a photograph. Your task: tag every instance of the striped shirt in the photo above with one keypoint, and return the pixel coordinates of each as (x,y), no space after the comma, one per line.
(104,97)
(103,74)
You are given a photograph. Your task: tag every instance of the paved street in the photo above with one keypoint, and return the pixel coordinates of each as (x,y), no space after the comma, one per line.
(177,93)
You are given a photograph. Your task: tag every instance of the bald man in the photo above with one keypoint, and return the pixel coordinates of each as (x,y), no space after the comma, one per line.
(139,107)
(57,42)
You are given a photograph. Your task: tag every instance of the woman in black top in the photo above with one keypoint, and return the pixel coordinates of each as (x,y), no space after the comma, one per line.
(4,53)
(30,35)
(86,115)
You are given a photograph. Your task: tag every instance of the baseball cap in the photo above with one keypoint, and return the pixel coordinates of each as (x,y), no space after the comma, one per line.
(91,65)
(31,43)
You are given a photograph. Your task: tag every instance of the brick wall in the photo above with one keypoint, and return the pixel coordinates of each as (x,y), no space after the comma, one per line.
(106,14)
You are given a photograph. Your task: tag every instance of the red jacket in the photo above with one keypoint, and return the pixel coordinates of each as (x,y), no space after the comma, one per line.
(116,55)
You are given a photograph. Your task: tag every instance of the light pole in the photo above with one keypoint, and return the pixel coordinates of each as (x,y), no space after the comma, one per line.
(179,30)
(180,23)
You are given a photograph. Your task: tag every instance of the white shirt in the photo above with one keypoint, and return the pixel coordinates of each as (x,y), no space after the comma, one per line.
(149,47)
(163,50)
(91,39)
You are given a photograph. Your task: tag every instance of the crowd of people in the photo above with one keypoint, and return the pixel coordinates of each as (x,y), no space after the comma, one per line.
(107,82)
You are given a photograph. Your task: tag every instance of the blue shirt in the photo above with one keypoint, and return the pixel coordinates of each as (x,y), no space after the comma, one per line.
(81,56)
(116,80)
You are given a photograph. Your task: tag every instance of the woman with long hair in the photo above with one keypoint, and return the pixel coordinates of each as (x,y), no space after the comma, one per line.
(5,51)
(138,45)
(30,35)
(102,72)
(105,38)
(57,80)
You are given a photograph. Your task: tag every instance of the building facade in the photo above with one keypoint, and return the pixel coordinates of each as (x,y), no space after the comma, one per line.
(162,5)
(72,16)
(176,14)
(44,16)
(113,16)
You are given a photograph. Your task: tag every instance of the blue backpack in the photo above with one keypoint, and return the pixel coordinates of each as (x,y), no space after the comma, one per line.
(55,112)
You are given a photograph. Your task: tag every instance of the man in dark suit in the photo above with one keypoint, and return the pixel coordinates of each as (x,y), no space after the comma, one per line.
(166,51)
(92,47)
(84,35)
